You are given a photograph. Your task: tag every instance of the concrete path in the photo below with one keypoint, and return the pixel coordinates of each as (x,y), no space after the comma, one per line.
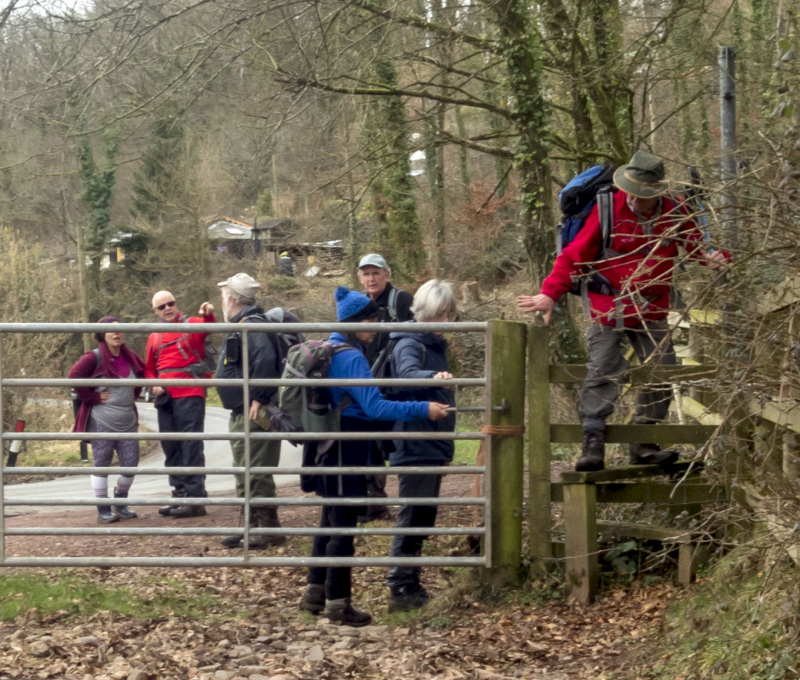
(218,454)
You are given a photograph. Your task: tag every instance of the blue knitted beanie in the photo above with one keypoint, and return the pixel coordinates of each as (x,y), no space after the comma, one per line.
(352,306)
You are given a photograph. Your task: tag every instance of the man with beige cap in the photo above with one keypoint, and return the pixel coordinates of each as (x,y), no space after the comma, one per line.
(238,295)
(626,292)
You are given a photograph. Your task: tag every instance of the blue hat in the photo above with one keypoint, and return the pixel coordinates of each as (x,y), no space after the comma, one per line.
(352,306)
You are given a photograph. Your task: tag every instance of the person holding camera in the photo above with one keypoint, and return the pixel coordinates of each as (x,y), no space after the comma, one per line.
(238,295)
(180,409)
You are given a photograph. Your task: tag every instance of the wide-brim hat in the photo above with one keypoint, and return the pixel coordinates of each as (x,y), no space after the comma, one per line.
(643,177)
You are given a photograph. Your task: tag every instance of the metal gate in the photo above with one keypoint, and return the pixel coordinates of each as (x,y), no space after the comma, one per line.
(492,412)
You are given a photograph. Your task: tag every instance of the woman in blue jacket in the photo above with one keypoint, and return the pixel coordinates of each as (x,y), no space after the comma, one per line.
(329,588)
(414,356)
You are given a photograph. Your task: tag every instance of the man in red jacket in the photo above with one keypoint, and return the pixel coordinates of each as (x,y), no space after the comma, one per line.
(628,299)
(180,409)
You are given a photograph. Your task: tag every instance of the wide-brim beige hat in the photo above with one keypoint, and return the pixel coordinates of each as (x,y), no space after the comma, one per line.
(643,177)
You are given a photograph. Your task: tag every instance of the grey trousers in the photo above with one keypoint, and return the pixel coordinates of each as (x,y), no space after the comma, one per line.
(412,486)
(607,369)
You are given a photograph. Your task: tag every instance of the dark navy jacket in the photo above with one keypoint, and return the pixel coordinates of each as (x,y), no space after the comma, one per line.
(421,355)
(263,362)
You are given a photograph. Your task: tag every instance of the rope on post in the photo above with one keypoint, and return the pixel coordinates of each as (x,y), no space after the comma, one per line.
(499,430)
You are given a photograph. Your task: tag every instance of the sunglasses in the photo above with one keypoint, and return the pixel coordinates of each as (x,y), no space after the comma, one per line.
(161,308)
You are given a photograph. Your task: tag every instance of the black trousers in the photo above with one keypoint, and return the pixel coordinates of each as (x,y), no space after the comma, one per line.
(338,580)
(186,414)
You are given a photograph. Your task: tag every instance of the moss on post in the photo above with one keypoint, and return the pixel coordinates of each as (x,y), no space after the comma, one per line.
(504,452)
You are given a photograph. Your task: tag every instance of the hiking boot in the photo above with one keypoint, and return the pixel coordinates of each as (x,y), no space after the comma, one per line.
(593,452)
(166,510)
(234,541)
(183,511)
(342,612)
(651,454)
(265,518)
(407,598)
(313,599)
(122,511)
(370,513)
(105,516)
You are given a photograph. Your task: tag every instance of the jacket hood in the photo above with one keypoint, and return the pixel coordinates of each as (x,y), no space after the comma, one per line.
(426,337)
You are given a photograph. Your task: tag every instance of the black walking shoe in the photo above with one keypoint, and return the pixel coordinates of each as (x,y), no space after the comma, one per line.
(183,511)
(343,613)
(313,599)
(370,513)
(593,452)
(407,598)
(651,454)
(122,511)
(234,541)
(265,518)
(105,516)
(166,510)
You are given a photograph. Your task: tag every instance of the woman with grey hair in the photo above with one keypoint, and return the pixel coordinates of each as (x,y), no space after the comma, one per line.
(417,355)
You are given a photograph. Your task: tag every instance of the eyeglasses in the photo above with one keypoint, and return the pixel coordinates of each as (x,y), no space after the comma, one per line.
(161,308)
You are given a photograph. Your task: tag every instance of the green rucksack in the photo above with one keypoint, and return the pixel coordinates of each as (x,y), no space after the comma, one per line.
(309,408)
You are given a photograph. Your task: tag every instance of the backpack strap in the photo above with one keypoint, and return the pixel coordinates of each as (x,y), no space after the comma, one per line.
(605,213)
(391,304)
(181,348)
(96,352)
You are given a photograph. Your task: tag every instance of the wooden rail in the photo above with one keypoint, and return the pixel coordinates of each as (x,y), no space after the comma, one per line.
(580,492)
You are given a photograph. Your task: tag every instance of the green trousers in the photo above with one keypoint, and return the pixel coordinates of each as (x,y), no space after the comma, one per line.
(263,453)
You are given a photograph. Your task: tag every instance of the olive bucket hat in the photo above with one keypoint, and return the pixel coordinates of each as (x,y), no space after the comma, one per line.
(643,177)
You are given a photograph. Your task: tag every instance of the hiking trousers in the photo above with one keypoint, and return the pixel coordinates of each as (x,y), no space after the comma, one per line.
(412,486)
(185,414)
(263,453)
(652,344)
(338,580)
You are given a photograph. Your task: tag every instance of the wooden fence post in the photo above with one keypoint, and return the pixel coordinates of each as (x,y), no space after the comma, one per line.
(580,538)
(539,454)
(504,453)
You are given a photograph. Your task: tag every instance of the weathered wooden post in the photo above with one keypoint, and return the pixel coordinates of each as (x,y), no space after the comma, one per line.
(539,454)
(580,542)
(504,450)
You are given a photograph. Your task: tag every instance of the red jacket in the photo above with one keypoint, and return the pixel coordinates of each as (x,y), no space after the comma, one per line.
(171,359)
(641,267)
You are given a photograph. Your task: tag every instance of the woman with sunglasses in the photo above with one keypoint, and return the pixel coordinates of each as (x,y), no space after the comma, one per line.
(110,409)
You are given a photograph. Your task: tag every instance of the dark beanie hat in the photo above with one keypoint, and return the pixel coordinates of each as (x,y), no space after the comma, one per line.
(101,337)
(352,306)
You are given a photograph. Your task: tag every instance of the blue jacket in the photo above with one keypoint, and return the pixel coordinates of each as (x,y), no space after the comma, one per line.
(368,402)
(421,355)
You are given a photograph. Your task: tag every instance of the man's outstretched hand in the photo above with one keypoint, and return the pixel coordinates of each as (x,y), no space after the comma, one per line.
(537,303)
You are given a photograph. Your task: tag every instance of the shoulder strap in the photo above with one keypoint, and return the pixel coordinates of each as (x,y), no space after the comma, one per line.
(96,352)
(605,213)
(392,304)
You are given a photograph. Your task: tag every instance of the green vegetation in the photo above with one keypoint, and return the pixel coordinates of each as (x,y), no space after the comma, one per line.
(741,624)
(75,593)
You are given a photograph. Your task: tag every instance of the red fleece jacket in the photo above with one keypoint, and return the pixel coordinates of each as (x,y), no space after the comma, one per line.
(641,266)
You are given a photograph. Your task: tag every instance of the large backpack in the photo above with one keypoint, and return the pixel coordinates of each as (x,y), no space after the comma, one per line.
(308,408)
(587,189)
(282,341)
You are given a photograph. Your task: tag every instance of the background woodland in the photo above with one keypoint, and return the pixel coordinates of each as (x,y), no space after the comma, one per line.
(147,117)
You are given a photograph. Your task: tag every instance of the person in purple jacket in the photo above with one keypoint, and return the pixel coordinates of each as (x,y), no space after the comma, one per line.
(329,589)
(110,409)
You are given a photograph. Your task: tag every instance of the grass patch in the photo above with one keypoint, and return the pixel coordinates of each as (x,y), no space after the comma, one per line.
(740,625)
(76,594)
